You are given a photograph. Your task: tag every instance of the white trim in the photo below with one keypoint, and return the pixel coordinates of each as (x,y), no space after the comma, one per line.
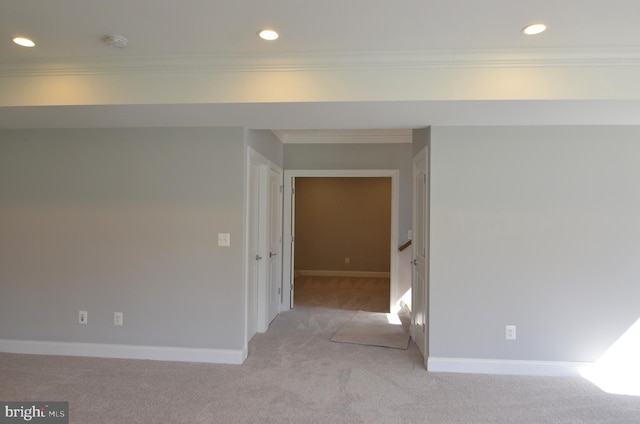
(293,173)
(344,136)
(339,273)
(161,353)
(288,222)
(263,295)
(506,366)
(326,61)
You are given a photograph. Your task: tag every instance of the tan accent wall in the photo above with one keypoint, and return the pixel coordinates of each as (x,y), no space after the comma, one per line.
(343,217)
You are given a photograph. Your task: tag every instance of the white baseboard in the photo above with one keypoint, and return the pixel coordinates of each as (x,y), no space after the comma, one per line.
(161,353)
(506,367)
(338,273)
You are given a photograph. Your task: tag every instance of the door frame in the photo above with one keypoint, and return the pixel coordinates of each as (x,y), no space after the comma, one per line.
(289,222)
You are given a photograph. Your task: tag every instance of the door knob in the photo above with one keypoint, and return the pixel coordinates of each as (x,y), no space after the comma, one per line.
(271,254)
(258,257)
(415,262)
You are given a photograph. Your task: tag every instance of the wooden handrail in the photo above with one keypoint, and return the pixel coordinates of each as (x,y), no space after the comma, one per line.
(404,246)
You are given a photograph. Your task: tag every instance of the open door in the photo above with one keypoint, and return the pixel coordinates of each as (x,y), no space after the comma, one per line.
(419,290)
(274,239)
(264,243)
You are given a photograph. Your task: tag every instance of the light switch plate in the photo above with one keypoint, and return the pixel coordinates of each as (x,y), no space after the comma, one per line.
(224,239)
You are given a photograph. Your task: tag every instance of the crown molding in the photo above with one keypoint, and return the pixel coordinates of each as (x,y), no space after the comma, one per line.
(344,136)
(327,61)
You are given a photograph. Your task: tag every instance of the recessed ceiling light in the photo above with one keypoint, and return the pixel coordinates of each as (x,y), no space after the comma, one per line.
(268,34)
(24,42)
(534,29)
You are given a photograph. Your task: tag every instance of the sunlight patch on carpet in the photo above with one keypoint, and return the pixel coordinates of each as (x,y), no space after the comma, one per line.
(618,370)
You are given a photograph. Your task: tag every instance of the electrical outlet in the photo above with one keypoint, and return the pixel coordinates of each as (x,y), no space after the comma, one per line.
(510,332)
(118,318)
(83,316)
(347,260)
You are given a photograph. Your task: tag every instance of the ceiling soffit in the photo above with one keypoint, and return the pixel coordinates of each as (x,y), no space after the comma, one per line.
(305,91)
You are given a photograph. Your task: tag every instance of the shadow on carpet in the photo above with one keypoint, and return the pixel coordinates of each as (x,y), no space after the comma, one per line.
(375,329)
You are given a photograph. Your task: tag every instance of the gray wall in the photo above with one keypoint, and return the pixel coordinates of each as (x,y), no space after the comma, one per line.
(360,156)
(267,144)
(420,138)
(537,227)
(125,220)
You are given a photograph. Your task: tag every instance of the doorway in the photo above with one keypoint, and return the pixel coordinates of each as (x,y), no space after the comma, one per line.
(341,260)
(343,235)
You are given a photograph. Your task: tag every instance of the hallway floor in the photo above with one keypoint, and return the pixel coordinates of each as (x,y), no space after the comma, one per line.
(347,293)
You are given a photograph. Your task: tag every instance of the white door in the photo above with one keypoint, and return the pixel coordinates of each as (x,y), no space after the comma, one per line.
(419,290)
(274,239)
(253,243)
(289,248)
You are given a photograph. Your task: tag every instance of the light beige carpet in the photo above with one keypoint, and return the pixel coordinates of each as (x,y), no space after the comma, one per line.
(295,375)
(375,329)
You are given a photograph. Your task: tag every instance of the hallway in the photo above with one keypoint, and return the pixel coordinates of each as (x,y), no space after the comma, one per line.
(347,293)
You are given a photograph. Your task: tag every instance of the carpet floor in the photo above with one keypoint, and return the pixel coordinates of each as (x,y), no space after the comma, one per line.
(352,293)
(295,374)
(375,329)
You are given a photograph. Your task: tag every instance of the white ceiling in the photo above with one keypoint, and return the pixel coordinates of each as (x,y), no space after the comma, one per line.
(72,28)
(71,31)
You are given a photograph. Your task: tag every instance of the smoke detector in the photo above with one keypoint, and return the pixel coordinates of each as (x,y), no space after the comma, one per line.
(116,41)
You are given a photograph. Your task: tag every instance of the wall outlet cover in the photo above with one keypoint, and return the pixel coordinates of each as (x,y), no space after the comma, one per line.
(224,239)
(510,332)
